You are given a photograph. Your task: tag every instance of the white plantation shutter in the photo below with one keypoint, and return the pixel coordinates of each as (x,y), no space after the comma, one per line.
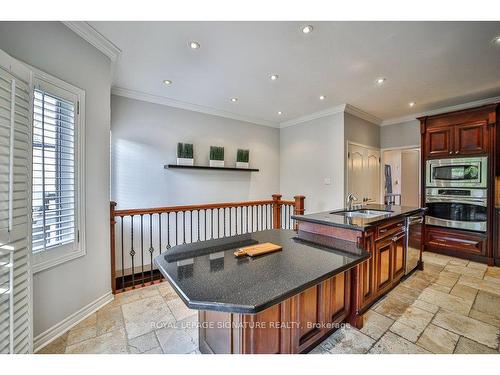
(15,205)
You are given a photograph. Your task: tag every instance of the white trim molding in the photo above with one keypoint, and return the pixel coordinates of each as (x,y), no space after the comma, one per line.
(139,95)
(45,338)
(458,107)
(313,116)
(95,38)
(355,111)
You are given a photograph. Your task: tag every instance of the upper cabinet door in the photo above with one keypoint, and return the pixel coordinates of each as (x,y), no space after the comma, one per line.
(439,142)
(471,138)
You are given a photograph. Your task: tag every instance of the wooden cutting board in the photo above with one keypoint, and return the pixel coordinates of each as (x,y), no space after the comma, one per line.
(256,250)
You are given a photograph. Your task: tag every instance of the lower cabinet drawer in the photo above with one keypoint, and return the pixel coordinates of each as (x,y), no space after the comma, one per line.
(455,240)
(390,228)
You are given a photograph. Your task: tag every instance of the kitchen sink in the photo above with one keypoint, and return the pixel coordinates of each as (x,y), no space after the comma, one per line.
(362,213)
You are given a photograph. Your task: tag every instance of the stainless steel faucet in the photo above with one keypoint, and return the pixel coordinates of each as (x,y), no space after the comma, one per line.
(350,198)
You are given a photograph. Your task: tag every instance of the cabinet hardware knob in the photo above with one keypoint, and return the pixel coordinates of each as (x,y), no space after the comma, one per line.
(456,152)
(451,152)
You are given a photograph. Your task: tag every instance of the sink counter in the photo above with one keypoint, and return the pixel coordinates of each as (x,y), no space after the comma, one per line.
(207,275)
(329,218)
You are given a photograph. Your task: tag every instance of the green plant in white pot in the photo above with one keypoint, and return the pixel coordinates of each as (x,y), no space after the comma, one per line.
(242,157)
(185,154)
(216,156)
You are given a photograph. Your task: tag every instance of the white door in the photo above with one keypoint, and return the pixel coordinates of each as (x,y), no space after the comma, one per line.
(15,206)
(410,178)
(363,173)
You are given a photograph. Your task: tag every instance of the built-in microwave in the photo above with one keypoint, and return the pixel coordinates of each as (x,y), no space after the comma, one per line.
(459,172)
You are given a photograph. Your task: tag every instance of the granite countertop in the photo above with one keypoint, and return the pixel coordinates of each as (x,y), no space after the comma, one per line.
(359,223)
(207,275)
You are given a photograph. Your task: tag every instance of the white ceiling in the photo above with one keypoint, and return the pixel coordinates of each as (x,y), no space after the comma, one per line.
(435,64)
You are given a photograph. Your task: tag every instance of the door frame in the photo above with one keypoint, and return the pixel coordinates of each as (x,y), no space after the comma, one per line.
(346,164)
(400,148)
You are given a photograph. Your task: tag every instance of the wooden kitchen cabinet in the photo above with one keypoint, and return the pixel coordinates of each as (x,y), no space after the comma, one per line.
(455,242)
(471,138)
(399,254)
(384,260)
(439,142)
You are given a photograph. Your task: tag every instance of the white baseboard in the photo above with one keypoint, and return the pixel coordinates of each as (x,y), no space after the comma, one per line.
(45,338)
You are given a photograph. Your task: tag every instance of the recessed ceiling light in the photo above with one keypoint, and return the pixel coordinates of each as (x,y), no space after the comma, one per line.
(194,45)
(167,82)
(280,113)
(234,99)
(381,80)
(412,104)
(274,77)
(322,97)
(496,40)
(307,29)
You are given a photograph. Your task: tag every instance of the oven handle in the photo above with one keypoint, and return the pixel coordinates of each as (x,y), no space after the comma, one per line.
(476,202)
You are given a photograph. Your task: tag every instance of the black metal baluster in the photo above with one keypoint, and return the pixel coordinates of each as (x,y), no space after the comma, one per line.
(132,251)
(176,231)
(168,230)
(123,258)
(151,249)
(159,231)
(142,250)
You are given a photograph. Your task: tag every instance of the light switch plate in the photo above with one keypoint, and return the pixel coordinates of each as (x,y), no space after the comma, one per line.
(328,181)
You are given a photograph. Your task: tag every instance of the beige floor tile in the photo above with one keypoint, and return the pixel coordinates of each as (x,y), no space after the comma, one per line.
(471,328)
(180,310)
(113,342)
(490,285)
(435,259)
(76,335)
(432,269)
(167,291)
(484,317)
(392,307)
(375,324)
(416,282)
(405,293)
(448,279)
(144,343)
(440,288)
(438,340)
(426,306)
(466,270)
(458,262)
(464,291)
(493,272)
(446,301)
(176,341)
(145,315)
(58,346)
(405,332)
(347,340)
(487,303)
(466,346)
(109,320)
(479,266)
(391,343)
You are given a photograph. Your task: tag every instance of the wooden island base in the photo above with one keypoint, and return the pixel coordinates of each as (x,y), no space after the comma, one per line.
(295,325)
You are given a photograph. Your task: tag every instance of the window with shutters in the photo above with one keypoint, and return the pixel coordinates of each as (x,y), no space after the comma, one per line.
(57,178)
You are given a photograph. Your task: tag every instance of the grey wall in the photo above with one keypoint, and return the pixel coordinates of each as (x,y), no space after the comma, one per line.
(309,153)
(53,48)
(145,136)
(400,135)
(361,131)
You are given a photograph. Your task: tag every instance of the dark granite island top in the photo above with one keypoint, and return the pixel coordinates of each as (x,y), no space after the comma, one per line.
(357,223)
(207,275)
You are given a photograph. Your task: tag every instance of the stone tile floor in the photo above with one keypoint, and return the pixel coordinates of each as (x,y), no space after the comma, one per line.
(453,306)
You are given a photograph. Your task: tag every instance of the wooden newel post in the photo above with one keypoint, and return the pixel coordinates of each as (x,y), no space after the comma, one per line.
(277,211)
(298,208)
(112,223)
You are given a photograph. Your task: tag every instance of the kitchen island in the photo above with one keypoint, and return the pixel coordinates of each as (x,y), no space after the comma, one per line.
(282,302)
(380,230)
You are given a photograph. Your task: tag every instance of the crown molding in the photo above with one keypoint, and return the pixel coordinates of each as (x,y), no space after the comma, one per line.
(355,111)
(95,38)
(142,96)
(313,116)
(438,111)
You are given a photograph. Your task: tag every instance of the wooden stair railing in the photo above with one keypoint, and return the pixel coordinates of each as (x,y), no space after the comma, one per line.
(170,226)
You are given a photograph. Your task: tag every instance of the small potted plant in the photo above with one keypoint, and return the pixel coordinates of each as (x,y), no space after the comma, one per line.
(185,154)
(216,156)
(242,157)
